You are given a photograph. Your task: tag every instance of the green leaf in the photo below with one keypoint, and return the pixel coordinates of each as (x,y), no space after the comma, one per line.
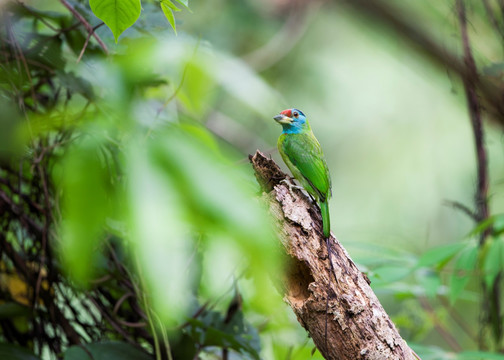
(430,352)
(211,197)
(168,9)
(479,355)
(389,274)
(493,261)
(482,226)
(464,269)
(498,226)
(237,334)
(14,352)
(23,10)
(11,309)
(184,3)
(47,50)
(196,91)
(11,128)
(161,237)
(431,282)
(169,4)
(112,350)
(86,197)
(117,15)
(440,255)
(76,84)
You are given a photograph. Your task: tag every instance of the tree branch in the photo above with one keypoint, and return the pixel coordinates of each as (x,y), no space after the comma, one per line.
(475,115)
(285,39)
(492,96)
(492,18)
(357,325)
(490,313)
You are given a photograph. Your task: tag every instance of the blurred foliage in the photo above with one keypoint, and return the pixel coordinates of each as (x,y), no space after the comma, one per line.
(129,217)
(127,194)
(105,350)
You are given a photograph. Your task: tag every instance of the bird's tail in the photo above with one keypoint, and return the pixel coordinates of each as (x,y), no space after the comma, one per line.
(326,221)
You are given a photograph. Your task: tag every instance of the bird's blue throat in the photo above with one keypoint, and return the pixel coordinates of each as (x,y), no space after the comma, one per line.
(296,127)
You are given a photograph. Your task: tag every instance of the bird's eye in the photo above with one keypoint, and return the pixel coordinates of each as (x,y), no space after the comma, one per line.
(296,114)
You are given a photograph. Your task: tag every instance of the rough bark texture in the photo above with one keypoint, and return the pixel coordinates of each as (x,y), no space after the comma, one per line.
(343,316)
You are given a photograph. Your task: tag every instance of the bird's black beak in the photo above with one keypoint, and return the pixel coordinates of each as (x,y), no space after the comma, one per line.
(283,119)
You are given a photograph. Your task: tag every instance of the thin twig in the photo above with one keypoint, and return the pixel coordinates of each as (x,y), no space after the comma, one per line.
(103,310)
(57,317)
(285,39)
(84,22)
(69,28)
(8,56)
(31,225)
(458,318)
(182,79)
(164,336)
(438,325)
(19,50)
(87,41)
(175,93)
(492,18)
(459,206)
(36,15)
(419,39)
(131,324)
(121,300)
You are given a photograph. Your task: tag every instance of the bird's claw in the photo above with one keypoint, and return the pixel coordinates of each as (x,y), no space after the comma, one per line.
(290,185)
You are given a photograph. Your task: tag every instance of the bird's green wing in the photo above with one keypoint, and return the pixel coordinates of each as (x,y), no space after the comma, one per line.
(303,151)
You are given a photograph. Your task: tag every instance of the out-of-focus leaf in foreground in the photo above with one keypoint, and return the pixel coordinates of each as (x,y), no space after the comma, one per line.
(86,193)
(182,190)
(189,215)
(161,237)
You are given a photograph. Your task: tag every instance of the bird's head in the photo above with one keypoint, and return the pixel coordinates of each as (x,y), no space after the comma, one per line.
(292,120)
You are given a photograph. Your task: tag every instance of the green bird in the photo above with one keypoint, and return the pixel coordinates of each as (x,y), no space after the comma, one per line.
(303,155)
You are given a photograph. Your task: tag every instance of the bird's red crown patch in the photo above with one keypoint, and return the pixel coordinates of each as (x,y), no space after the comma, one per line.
(287,112)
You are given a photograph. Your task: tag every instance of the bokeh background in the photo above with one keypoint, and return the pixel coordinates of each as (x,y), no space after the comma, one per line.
(155,163)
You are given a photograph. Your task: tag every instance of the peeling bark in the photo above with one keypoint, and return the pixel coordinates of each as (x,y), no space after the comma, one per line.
(343,316)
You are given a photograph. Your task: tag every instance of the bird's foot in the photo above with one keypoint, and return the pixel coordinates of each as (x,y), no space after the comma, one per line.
(290,185)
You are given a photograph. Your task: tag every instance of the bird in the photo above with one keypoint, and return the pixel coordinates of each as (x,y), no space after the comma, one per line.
(302,153)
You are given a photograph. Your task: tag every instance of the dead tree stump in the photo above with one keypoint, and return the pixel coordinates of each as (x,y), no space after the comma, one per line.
(343,316)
